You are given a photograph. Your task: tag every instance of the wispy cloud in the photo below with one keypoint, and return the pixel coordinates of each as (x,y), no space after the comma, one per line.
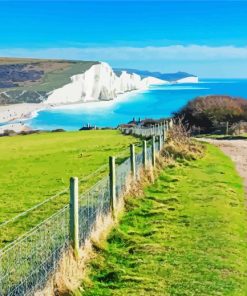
(173,52)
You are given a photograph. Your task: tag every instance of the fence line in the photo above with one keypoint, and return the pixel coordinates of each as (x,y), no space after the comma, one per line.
(27,263)
(148,132)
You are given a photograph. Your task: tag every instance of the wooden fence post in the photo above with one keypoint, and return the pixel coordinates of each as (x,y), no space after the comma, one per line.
(74,215)
(144,153)
(227,128)
(160,142)
(133,160)
(112,176)
(153,151)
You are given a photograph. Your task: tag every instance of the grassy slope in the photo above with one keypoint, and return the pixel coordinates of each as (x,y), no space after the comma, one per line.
(8,61)
(51,80)
(57,79)
(186,236)
(34,167)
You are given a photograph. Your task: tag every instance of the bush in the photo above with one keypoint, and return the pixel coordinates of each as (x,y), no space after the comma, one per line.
(212,112)
(179,145)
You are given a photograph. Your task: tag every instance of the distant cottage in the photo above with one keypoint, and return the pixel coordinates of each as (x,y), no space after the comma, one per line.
(88,127)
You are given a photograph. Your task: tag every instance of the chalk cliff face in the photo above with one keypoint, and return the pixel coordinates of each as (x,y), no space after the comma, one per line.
(191,79)
(99,83)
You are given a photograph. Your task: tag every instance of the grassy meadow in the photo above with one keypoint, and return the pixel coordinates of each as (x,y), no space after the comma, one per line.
(58,78)
(185,236)
(35,167)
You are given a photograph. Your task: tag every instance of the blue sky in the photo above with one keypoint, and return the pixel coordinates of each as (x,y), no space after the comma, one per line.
(207,38)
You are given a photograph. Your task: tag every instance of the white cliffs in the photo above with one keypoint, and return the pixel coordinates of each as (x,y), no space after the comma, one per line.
(99,83)
(152,80)
(190,79)
(91,85)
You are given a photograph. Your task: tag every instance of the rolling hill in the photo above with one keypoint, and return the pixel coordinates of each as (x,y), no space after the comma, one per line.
(30,80)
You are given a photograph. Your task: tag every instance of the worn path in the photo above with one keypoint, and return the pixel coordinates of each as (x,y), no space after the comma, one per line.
(237,150)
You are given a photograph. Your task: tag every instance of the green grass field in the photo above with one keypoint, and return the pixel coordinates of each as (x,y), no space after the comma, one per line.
(35,167)
(185,236)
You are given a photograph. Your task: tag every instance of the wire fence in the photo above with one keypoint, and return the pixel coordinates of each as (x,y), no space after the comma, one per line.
(24,221)
(148,132)
(28,262)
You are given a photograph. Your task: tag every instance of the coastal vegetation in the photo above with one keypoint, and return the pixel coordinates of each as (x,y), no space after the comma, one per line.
(185,235)
(214,113)
(30,80)
(38,166)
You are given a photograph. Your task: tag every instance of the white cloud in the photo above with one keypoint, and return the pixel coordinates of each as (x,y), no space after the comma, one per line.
(173,52)
(204,61)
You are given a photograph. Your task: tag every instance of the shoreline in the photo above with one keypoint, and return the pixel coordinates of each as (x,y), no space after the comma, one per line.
(13,117)
(101,103)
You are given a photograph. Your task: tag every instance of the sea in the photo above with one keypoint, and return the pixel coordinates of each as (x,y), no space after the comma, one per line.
(158,101)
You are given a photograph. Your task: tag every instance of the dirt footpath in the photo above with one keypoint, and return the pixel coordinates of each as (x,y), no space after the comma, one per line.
(237,150)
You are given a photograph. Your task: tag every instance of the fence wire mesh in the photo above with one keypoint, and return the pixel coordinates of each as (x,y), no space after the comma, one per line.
(93,204)
(123,174)
(149,155)
(157,146)
(26,265)
(139,164)
(147,132)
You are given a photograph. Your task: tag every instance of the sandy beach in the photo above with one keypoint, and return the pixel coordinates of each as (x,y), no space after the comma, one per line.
(20,112)
(14,115)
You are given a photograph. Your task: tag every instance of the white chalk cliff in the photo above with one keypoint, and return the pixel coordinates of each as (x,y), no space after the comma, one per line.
(190,79)
(99,83)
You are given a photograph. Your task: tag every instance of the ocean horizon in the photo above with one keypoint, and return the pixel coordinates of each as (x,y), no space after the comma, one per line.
(157,102)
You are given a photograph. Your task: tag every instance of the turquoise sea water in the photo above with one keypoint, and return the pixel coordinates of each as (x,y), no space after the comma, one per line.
(159,101)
